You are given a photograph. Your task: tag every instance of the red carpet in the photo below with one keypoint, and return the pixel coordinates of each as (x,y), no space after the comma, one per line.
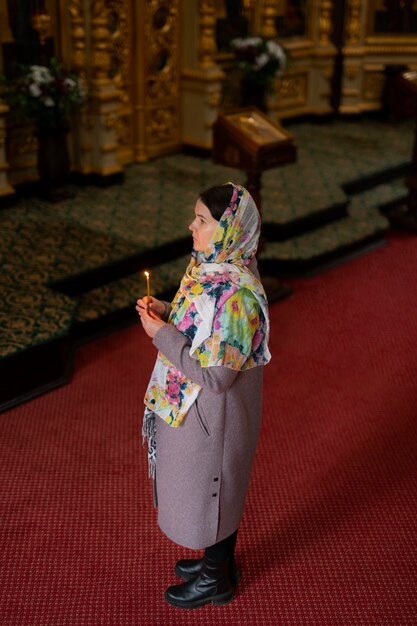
(329,533)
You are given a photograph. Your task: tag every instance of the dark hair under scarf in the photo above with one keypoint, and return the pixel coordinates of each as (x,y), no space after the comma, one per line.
(217,199)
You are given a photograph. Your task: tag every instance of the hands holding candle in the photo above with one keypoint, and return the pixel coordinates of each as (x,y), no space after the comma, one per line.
(150,311)
(148,288)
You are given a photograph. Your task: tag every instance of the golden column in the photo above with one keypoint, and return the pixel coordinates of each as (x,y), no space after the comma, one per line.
(6,190)
(354,52)
(94,143)
(77,26)
(268,19)
(269,16)
(123,36)
(201,77)
(325,22)
(105,96)
(156,78)
(353,22)
(207,46)
(81,135)
(322,59)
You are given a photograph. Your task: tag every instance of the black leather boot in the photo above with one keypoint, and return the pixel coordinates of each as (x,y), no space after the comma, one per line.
(190,568)
(211,585)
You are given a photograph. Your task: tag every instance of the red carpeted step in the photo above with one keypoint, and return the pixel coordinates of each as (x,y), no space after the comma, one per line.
(328,537)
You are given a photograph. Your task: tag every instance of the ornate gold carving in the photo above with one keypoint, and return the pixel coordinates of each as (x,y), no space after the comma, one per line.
(162,125)
(107,95)
(109,121)
(292,88)
(24,166)
(382,40)
(270,12)
(373,84)
(357,51)
(123,128)
(350,92)
(41,21)
(207,46)
(353,23)
(91,23)
(392,49)
(325,21)
(75,9)
(5,30)
(351,71)
(119,46)
(199,76)
(87,119)
(22,145)
(100,36)
(108,147)
(120,12)
(161,49)
(6,191)
(109,169)
(247,8)
(151,124)
(215,99)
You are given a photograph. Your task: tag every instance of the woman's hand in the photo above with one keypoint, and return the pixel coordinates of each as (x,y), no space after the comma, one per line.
(151,321)
(155,305)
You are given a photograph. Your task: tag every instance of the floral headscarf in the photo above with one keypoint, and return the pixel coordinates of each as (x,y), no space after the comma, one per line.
(221,307)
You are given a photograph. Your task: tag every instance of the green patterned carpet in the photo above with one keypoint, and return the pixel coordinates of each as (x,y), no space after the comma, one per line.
(363,221)
(42,243)
(119,294)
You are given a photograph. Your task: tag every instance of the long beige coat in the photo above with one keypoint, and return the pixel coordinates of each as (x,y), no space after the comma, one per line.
(203,467)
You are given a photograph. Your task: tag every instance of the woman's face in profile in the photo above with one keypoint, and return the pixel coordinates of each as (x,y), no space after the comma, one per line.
(202,227)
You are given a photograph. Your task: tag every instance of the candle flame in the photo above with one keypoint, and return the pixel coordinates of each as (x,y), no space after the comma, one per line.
(146,274)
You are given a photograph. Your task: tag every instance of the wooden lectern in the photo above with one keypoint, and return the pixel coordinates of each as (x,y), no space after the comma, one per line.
(405,215)
(248,140)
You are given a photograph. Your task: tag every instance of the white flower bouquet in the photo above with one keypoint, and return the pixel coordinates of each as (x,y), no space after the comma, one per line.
(260,59)
(44,94)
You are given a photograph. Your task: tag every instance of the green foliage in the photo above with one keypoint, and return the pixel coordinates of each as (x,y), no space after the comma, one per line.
(259,59)
(43,94)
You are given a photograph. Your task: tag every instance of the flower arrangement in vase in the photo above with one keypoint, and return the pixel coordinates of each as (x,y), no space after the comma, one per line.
(45,95)
(260,60)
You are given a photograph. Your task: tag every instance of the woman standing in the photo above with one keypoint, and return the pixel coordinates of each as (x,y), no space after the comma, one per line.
(207,388)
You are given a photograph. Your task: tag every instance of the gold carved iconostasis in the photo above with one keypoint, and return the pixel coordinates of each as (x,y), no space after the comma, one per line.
(377,34)
(158,72)
(127,52)
(305,29)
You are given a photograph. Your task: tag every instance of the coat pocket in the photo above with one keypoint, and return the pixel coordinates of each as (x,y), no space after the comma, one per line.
(202,420)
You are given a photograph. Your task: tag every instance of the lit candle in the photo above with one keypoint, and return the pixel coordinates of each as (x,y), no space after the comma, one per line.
(149,291)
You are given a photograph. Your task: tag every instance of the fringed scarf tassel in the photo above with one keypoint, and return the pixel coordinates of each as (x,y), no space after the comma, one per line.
(149,435)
